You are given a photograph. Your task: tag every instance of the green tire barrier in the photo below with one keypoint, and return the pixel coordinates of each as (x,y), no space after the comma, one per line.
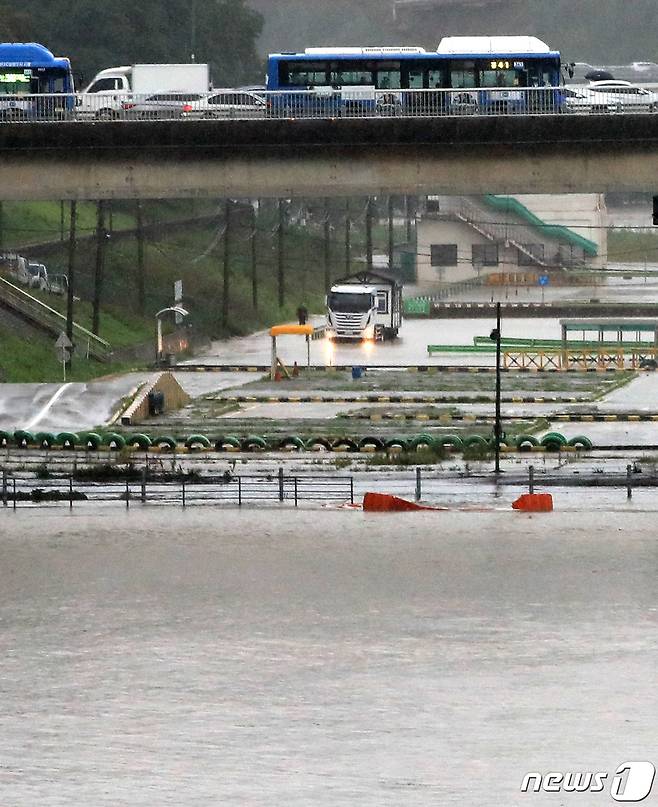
(165,443)
(291,443)
(142,441)
(581,442)
(452,440)
(344,444)
(197,441)
(45,439)
(318,444)
(254,443)
(397,444)
(91,441)
(553,441)
(526,442)
(67,440)
(114,441)
(5,438)
(23,439)
(228,443)
(475,440)
(421,441)
(371,444)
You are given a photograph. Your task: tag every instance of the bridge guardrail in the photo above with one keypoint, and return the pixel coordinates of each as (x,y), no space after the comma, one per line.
(328,102)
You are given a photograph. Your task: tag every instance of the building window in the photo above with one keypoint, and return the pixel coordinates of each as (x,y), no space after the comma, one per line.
(532,254)
(485,254)
(444,254)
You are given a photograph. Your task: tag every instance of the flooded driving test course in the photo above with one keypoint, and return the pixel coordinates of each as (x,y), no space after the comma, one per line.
(329,404)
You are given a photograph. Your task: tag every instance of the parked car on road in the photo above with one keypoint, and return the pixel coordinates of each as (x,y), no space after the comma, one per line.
(228,104)
(161,106)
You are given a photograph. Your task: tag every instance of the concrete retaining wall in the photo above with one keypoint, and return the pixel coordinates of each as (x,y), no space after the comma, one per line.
(175,397)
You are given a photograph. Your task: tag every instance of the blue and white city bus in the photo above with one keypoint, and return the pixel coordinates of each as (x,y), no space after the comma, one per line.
(483,74)
(34,83)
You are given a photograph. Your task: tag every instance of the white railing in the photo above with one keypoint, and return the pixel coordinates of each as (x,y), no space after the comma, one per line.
(327,102)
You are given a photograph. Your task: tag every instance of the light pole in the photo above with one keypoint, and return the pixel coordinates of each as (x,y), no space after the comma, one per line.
(495,337)
(174,309)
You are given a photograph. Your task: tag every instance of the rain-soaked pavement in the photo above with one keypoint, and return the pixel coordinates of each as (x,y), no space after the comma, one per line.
(161,657)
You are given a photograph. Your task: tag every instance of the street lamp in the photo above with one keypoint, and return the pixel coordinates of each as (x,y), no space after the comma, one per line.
(174,309)
(495,337)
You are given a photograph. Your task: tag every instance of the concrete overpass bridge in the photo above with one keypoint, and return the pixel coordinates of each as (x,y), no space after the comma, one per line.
(327,157)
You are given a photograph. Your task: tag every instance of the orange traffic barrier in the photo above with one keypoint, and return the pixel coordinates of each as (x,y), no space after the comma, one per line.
(385,503)
(534,503)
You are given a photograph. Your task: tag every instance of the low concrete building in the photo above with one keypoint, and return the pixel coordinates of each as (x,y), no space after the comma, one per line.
(464,238)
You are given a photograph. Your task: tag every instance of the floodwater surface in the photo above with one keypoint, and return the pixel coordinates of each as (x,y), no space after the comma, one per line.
(225,657)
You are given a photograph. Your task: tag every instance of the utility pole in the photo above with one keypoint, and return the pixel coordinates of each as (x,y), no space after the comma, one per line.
(141,261)
(391,235)
(101,240)
(254,263)
(71,283)
(407,215)
(226,290)
(348,239)
(369,234)
(281,254)
(327,247)
(495,337)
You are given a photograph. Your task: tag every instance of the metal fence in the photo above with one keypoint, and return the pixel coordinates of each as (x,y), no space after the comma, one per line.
(20,491)
(328,102)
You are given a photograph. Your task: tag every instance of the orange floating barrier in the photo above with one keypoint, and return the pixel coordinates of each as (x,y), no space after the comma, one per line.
(385,503)
(534,503)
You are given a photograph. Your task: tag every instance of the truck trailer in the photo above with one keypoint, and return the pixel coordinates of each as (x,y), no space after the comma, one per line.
(365,306)
(114,86)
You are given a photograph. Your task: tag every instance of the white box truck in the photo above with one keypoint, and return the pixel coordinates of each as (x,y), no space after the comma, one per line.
(112,88)
(364,306)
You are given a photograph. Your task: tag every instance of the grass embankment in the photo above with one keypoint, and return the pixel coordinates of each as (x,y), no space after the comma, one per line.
(629,246)
(193,254)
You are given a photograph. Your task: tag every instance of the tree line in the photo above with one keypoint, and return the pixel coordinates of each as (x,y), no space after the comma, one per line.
(96,35)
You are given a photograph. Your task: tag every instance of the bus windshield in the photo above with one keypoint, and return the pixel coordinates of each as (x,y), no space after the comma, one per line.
(342,302)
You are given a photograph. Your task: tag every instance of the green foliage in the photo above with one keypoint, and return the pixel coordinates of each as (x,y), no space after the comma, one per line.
(628,246)
(96,35)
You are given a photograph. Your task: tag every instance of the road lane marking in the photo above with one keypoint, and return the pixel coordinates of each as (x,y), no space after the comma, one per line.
(53,400)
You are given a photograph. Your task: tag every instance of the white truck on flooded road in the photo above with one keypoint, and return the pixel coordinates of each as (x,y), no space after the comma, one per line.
(366,306)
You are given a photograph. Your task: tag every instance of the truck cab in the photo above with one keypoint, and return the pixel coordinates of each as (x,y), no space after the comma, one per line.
(365,306)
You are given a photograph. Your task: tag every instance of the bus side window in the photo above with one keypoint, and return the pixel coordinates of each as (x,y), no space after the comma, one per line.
(415,81)
(389,76)
(435,80)
(462,75)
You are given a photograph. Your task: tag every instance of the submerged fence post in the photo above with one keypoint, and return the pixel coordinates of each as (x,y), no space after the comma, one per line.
(419,490)
(531,479)
(143,485)
(183,485)
(4,488)
(281,484)
(14,493)
(351,490)
(70,492)
(295,491)
(127,494)
(239,491)
(629,484)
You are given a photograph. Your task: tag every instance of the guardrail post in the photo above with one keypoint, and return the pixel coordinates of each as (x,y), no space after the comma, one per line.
(127,494)
(14,493)
(531,479)
(239,491)
(351,490)
(70,491)
(183,487)
(295,491)
(4,488)
(629,484)
(143,485)
(281,497)
(419,491)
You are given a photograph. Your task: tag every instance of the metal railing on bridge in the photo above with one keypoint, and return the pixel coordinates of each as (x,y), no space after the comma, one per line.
(328,102)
